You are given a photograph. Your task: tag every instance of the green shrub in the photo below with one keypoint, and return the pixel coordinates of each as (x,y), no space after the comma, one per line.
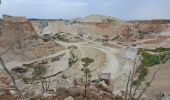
(55,59)
(161,56)
(26,80)
(73,59)
(149,59)
(72,47)
(38,72)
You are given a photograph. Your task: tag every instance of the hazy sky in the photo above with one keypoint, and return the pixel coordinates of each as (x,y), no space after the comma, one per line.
(123,9)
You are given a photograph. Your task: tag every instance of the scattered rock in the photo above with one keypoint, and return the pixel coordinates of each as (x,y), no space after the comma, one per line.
(103,84)
(69,98)
(13,92)
(47,94)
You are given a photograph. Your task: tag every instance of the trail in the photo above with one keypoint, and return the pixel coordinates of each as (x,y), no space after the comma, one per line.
(146,40)
(111,66)
(13,64)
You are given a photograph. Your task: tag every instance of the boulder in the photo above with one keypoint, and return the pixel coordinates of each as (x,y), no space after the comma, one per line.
(69,98)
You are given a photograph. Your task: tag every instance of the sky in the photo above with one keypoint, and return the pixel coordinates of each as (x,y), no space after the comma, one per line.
(68,9)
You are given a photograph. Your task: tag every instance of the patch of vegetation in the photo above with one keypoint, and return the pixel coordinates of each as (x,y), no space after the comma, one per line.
(73,59)
(161,50)
(150,59)
(142,72)
(38,72)
(158,56)
(61,37)
(28,65)
(26,80)
(55,59)
(72,47)
(110,21)
(154,50)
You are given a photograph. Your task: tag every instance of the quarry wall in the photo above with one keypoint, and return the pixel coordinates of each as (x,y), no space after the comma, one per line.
(14,19)
(69,27)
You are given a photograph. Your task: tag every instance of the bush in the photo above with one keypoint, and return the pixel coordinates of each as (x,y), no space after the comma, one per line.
(72,47)
(38,72)
(26,80)
(55,59)
(73,59)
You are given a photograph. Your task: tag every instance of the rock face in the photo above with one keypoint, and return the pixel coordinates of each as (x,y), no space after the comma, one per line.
(69,98)
(58,26)
(100,26)
(15,32)
(26,44)
(24,33)
(15,19)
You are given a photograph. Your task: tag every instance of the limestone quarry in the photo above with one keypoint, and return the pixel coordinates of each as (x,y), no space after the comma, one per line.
(45,56)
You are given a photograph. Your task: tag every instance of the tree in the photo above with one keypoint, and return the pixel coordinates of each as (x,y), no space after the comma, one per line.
(87,73)
(8,72)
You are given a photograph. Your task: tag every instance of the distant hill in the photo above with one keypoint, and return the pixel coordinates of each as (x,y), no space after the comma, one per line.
(96,18)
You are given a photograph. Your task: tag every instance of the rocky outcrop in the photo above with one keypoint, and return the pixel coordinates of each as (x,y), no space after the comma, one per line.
(14,19)
(96,29)
(26,44)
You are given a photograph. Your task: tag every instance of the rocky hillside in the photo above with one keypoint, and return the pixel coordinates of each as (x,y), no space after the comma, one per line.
(97,18)
(25,42)
(57,26)
(25,35)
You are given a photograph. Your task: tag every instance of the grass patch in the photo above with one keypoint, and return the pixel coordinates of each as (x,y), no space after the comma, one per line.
(38,72)
(161,50)
(158,56)
(149,59)
(163,54)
